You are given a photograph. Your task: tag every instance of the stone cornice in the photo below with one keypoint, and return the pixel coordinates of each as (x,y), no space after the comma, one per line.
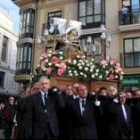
(22,78)
(56,3)
(25,40)
(28,6)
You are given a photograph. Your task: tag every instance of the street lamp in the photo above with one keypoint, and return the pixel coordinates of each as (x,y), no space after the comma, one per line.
(91,47)
(105,40)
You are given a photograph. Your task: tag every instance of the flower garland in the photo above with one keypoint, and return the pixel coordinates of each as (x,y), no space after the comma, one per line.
(56,64)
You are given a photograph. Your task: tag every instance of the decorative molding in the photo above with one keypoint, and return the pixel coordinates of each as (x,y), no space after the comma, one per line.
(25,40)
(22,78)
(25,7)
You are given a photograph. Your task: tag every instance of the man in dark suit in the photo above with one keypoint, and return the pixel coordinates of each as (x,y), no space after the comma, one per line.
(42,117)
(120,124)
(83,116)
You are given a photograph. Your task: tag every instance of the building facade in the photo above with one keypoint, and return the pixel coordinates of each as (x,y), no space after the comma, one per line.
(8,52)
(124,30)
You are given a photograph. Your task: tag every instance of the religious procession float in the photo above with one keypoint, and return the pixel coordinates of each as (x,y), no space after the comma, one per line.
(65,62)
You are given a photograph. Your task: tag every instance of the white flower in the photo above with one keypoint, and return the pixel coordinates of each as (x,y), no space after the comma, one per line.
(49,55)
(97,70)
(92,60)
(92,67)
(41,58)
(91,63)
(57,65)
(107,78)
(76,74)
(69,71)
(93,76)
(69,60)
(61,58)
(74,62)
(121,77)
(83,63)
(108,58)
(111,63)
(80,67)
(50,51)
(75,71)
(100,76)
(78,56)
(83,56)
(85,75)
(46,60)
(116,76)
(44,69)
(86,69)
(70,74)
(96,74)
(60,52)
(79,64)
(86,61)
(91,70)
(88,64)
(107,72)
(49,64)
(38,66)
(81,73)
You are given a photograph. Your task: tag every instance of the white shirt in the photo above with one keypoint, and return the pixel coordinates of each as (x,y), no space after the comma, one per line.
(75,96)
(42,94)
(124,112)
(81,107)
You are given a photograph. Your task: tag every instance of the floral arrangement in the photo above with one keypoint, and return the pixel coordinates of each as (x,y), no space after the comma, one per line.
(56,64)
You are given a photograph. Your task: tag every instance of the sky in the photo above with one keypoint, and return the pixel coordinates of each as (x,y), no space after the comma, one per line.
(13,11)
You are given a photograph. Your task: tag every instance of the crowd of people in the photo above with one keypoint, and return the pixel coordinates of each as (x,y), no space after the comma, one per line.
(44,112)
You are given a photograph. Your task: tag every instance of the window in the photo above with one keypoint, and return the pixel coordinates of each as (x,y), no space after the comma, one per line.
(4,49)
(133,13)
(51,15)
(132,52)
(91,12)
(2,75)
(27,23)
(24,58)
(94,48)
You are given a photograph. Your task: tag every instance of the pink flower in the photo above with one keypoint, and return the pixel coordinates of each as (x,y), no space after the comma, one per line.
(103,63)
(111,77)
(43,63)
(48,72)
(55,60)
(111,69)
(60,72)
(45,55)
(114,61)
(117,68)
(118,64)
(62,65)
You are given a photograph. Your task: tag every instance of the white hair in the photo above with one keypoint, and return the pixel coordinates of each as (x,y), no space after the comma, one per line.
(112,87)
(44,78)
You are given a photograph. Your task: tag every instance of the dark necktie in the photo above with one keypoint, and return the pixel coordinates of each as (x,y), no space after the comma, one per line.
(46,99)
(83,106)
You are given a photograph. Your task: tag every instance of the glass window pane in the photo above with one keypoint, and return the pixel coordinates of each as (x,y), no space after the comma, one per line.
(21,54)
(29,65)
(90,19)
(32,20)
(90,7)
(29,54)
(97,6)
(98,48)
(83,20)
(28,19)
(129,60)
(82,9)
(24,65)
(97,18)
(137,59)
(128,45)
(25,54)
(137,45)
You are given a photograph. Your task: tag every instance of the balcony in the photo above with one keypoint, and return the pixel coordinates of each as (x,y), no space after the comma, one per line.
(130,62)
(129,21)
